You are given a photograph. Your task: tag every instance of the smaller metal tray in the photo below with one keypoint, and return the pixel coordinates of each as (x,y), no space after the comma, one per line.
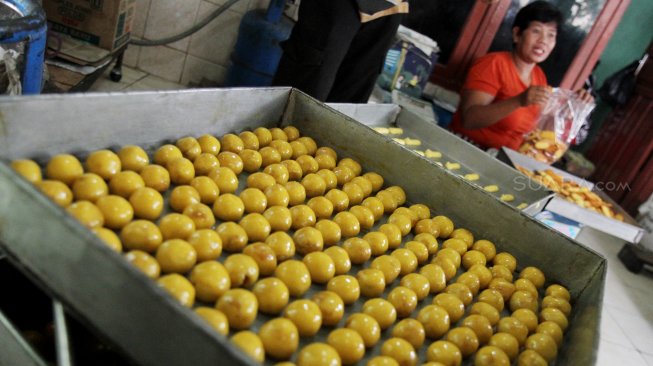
(627,230)
(528,195)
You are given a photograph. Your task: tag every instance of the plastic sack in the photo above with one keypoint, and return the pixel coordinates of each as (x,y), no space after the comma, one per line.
(618,87)
(9,73)
(559,123)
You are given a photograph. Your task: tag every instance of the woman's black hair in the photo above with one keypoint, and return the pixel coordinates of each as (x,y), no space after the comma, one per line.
(540,11)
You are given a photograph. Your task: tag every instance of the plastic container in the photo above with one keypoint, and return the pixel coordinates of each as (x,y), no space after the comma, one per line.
(257,52)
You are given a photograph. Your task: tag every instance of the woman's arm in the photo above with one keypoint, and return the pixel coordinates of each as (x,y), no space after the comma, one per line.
(479,111)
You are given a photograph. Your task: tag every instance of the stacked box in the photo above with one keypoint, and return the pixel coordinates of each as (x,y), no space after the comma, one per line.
(103,23)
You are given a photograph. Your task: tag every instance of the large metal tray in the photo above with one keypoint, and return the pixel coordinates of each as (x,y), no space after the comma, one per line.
(627,230)
(148,325)
(455,150)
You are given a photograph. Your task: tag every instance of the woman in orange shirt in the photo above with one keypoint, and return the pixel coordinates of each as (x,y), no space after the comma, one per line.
(504,91)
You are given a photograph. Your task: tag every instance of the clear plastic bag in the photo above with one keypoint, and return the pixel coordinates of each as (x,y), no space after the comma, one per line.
(559,123)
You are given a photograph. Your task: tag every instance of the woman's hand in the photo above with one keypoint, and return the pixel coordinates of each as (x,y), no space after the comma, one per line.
(585,96)
(535,95)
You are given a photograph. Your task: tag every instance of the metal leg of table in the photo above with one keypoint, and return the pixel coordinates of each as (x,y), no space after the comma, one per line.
(15,349)
(634,257)
(61,335)
(116,72)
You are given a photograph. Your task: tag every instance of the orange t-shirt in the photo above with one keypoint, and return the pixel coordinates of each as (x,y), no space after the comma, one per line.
(496,74)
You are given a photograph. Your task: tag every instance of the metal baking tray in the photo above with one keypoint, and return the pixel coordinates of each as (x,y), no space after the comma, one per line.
(119,302)
(454,150)
(627,230)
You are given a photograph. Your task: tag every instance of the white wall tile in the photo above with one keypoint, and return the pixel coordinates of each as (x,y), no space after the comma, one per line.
(240,6)
(170,17)
(131,75)
(140,17)
(195,70)
(611,354)
(162,61)
(258,4)
(216,41)
(131,55)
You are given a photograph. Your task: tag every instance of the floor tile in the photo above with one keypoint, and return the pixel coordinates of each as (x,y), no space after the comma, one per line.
(619,296)
(611,331)
(129,76)
(154,83)
(611,354)
(628,291)
(644,301)
(638,329)
(103,84)
(642,281)
(648,358)
(197,70)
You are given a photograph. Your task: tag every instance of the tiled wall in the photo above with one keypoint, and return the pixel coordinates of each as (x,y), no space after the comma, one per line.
(204,55)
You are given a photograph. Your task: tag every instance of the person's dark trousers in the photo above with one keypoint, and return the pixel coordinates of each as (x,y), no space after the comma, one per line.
(331,55)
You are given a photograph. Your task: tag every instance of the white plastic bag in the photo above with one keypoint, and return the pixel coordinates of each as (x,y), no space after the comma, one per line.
(10,75)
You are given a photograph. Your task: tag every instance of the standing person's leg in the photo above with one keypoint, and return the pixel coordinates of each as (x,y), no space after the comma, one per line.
(317,45)
(364,61)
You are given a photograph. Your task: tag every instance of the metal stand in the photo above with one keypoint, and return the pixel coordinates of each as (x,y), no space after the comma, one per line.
(87,81)
(634,257)
(116,72)
(37,330)
(15,350)
(61,335)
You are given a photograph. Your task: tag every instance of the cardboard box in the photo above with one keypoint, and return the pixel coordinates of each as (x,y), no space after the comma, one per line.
(409,63)
(104,23)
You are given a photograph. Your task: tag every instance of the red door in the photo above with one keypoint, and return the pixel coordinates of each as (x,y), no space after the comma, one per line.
(623,150)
